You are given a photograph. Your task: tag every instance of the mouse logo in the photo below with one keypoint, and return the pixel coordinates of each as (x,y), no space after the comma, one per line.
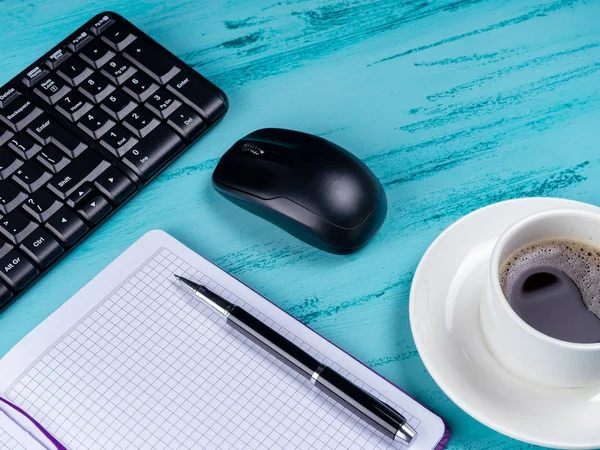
(251,148)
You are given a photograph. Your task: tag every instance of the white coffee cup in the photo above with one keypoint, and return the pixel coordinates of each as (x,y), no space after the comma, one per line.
(520,347)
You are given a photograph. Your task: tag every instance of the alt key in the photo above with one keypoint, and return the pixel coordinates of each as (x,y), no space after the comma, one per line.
(16,269)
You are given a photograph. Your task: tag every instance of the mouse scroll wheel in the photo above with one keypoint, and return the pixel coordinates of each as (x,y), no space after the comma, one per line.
(253,149)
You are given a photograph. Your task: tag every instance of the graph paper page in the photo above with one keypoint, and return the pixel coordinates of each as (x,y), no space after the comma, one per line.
(133,361)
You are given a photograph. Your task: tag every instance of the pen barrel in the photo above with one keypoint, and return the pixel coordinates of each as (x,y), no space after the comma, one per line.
(273,342)
(363,404)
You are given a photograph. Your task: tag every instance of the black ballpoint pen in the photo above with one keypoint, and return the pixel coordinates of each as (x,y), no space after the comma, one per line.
(380,415)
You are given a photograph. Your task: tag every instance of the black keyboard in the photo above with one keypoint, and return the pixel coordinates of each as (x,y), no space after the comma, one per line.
(81,130)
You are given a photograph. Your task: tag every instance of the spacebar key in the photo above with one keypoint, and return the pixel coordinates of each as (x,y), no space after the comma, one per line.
(152,152)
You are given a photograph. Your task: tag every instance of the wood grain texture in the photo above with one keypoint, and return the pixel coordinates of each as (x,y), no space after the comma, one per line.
(454,104)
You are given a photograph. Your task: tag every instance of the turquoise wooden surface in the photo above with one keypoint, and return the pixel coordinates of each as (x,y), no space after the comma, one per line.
(454,104)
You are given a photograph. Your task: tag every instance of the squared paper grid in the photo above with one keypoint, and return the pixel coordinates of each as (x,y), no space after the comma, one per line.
(153,367)
(7,442)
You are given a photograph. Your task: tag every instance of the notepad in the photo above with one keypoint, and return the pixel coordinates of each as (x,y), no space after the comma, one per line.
(133,361)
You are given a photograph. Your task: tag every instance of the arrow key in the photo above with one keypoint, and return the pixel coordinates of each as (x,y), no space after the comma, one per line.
(114,184)
(66,226)
(80,193)
(94,208)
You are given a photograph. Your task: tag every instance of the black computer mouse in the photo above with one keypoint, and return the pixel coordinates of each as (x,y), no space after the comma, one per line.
(307,185)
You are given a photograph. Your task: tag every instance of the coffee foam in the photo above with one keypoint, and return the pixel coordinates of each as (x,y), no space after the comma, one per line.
(580,261)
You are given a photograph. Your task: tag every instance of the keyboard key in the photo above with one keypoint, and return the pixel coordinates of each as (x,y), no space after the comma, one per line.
(149,58)
(24,145)
(101,24)
(118,141)
(96,53)
(31,176)
(118,69)
(41,205)
(66,226)
(197,95)
(5,295)
(114,184)
(95,123)
(140,86)
(5,135)
(186,122)
(140,121)
(74,71)
(53,159)
(96,87)
(8,162)
(118,104)
(33,76)
(57,58)
(84,168)
(118,36)
(51,88)
(94,208)
(162,103)
(41,247)
(7,95)
(151,153)
(16,270)
(11,196)
(20,113)
(80,193)
(16,225)
(73,106)
(46,131)
(78,42)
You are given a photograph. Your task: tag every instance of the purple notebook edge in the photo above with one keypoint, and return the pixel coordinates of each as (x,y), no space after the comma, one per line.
(38,425)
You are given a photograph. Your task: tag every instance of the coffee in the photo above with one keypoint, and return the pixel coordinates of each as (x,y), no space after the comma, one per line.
(554,286)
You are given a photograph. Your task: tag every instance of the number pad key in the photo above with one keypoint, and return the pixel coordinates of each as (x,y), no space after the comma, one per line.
(8,162)
(118,36)
(11,196)
(140,121)
(95,123)
(118,141)
(150,59)
(74,71)
(96,87)
(162,103)
(186,122)
(51,89)
(52,158)
(118,104)
(96,53)
(140,86)
(41,205)
(118,69)
(73,106)
(16,226)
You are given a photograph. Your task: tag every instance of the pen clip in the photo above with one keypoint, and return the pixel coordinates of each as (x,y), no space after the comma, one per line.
(39,426)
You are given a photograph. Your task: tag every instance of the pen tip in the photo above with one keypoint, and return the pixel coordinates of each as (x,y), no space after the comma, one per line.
(177,276)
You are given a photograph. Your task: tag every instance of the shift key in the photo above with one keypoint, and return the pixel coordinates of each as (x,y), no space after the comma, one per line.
(151,153)
(86,167)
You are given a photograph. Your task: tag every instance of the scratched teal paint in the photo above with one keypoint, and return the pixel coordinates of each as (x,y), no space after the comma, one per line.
(454,104)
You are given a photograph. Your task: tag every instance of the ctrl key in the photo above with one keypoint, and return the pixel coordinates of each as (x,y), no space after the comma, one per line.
(16,270)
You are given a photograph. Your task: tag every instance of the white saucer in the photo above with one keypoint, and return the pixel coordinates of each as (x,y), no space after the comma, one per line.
(444,318)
